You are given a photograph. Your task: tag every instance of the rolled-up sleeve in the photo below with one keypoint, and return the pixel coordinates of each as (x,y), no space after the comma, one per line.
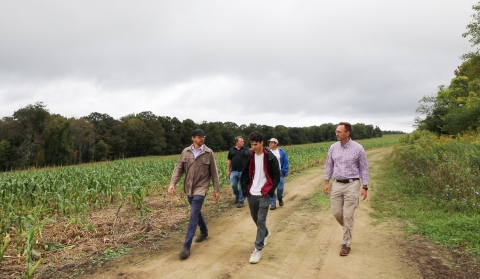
(329,165)
(363,167)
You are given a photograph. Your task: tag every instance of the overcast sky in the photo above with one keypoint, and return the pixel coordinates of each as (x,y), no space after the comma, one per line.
(293,63)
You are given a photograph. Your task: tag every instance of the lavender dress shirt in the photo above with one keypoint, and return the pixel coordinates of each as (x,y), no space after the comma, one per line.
(347,161)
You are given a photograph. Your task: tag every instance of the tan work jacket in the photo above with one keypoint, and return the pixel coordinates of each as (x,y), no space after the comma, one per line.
(198,172)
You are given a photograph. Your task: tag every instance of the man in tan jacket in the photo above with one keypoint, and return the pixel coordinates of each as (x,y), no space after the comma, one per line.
(198,163)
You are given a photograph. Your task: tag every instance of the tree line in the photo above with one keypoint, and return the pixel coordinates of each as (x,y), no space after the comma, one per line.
(455,109)
(34,137)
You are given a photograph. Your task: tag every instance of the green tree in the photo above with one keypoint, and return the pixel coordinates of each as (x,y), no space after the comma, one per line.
(268,132)
(455,107)
(12,133)
(231,130)
(298,135)
(377,132)
(213,131)
(57,145)
(155,125)
(281,134)
(247,130)
(6,155)
(459,120)
(328,131)
(111,132)
(140,139)
(186,130)
(359,131)
(314,134)
(173,135)
(473,30)
(82,135)
(99,151)
(369,131)
(229,133)
(31,120)
(453,110)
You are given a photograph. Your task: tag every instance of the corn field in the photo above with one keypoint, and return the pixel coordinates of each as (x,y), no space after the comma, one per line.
(31,198)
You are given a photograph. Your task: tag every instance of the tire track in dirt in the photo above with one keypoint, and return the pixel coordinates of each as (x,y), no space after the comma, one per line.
(304,244)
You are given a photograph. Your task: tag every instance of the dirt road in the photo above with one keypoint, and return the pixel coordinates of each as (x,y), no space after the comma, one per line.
(305,243)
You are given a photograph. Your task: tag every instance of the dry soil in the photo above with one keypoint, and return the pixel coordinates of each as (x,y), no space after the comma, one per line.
(305,243)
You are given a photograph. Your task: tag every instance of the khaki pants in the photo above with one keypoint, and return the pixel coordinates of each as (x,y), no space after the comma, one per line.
(344,199)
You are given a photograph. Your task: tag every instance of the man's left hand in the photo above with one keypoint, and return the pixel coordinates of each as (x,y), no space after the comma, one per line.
(216,196)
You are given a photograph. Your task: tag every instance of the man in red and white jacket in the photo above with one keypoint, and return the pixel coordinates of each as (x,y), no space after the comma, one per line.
(260,178)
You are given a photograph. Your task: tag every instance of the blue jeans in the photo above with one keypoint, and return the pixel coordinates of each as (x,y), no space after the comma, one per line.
(196,219)
(281,185)
(235,183)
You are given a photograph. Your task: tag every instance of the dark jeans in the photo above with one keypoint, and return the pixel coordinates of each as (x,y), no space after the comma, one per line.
(196,219)
(259,209)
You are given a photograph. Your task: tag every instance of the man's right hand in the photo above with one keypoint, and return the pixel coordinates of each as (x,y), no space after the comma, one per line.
(326,188)
(228,173)
(170,189)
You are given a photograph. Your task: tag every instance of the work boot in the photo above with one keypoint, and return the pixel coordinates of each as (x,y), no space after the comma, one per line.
(184,253)
(201,237)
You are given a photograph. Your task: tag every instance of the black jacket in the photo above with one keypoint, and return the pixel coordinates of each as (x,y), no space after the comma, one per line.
(273,174)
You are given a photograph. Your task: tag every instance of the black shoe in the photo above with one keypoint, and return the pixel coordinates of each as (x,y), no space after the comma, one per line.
(184,253)
(239,204)
(236,200)
(273,207)
(201,237)
(280,202)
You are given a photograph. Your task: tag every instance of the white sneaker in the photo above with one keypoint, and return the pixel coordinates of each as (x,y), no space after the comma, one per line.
(265,240)
(256,256)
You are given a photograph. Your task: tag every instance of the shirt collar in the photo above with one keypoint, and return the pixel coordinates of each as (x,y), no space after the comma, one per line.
(199,149)
(346,144)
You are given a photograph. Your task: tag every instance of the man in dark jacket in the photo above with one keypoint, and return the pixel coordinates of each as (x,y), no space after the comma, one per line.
(260,178)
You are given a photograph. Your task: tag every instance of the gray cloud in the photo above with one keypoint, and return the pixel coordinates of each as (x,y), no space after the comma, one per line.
(293,63)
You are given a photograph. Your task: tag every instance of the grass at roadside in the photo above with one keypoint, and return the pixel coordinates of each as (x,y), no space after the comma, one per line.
(319,201)
(457,231)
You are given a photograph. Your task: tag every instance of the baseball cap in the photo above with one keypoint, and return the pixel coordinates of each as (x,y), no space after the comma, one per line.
(274,140)
(198,132)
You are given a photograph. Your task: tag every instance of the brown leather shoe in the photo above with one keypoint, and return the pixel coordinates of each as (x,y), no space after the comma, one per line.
(345,250)
(184,253)
(280,202)
(273,207)
(201,237)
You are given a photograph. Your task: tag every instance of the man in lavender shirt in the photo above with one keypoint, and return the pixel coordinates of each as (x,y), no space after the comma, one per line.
(347,163)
